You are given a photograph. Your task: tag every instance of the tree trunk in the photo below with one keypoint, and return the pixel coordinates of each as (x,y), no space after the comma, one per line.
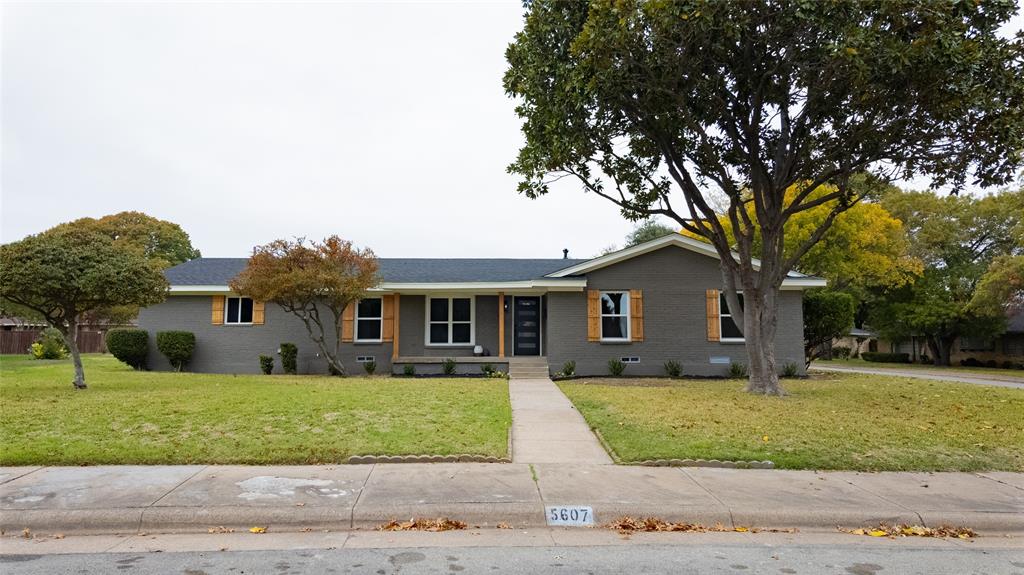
(760,320)
(941,348)
(70,339)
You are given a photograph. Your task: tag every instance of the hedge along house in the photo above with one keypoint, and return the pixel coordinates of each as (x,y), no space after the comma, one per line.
(644,305)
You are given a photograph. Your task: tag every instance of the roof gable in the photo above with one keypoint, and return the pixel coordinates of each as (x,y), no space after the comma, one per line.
(793,279)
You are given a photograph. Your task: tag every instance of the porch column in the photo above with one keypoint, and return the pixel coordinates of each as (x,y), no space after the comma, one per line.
(394,330)
(501,324)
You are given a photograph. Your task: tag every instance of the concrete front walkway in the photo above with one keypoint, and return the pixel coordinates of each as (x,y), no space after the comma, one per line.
(196,498)
(547,428)
(928,373)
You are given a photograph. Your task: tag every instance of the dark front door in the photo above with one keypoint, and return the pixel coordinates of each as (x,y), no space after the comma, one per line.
(527,325)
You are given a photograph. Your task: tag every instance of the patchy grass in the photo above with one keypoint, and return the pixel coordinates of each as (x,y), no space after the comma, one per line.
(835,421)
(131,417)
(1010,374)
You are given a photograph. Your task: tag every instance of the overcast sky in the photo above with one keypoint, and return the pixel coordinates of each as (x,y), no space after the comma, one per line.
(384,123)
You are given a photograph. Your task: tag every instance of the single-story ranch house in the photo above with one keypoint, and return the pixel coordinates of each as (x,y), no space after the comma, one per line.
(644,305)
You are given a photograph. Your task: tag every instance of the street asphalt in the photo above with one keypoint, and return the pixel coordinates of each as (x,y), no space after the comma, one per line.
(670,553)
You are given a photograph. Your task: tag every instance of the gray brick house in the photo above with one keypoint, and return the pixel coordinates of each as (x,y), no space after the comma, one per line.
(645,305)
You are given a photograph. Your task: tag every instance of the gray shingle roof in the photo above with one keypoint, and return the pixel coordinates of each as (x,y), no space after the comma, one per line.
(218,271)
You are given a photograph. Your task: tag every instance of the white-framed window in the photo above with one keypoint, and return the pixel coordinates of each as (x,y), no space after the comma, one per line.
(727,322)
(450,321)
(238,310)
(369,319)
(615,316)
(365,359)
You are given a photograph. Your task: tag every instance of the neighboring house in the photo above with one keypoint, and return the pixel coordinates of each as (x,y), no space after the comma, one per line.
(645,305)
(1007,347)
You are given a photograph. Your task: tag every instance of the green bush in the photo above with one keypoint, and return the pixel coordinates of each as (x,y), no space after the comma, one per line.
(409,369)
(737,370)
(790,370)
(49,345)
(616,367)
(569,368)
(673,368)
(886,357)
(130,346)
(177,346)
(487,369)
(289,358)
(840,352)
(370,367)
(267,364)
(448,366)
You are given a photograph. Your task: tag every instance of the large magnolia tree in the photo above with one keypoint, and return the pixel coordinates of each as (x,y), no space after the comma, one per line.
(315,282)
(658,106)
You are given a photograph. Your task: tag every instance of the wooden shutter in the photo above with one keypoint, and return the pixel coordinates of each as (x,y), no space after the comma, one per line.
(348,321)
(593,315)
(712,312)
(217,315)
(257,313)
(387,328)
(636,315)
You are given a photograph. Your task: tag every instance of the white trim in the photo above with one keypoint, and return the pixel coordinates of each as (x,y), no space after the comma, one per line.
(793,281)
(450,322)
(356,318)
(525,287)
(239,298)
(625,312)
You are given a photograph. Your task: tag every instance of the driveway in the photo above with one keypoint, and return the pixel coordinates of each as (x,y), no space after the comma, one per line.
(933,374)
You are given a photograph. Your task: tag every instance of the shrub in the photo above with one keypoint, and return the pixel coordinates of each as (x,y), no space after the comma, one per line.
(790,370)
(409,369)
(737,370)
(970,362)
(177,346)
(991,363)
(840,352)
(1007,365)
(569,368)
(673,369)
(616,367)
(130,346)
(370,367)
(448,366)
(267,364)
(289,358)
(487,369)
(882,357)
(49,345)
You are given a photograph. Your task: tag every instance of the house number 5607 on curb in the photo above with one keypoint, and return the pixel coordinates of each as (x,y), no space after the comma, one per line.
(574,515)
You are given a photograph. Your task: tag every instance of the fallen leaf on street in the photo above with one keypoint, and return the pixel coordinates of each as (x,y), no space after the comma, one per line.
(257,530)
(415,524)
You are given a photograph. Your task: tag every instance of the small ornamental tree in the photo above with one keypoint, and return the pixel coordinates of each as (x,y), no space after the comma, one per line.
(311,281)
(177,347)
(697,109)
(827,315)
(63,273)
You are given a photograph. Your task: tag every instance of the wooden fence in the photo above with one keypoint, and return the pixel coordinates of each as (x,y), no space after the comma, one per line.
(18,341)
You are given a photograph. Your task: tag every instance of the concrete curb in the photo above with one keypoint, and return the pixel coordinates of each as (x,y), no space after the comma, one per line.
(155,520)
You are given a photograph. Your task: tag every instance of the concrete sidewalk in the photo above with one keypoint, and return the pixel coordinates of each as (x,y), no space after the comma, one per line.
(193,499)
(546,428)
(997,380)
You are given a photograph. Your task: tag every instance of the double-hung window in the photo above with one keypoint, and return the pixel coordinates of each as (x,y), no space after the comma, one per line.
(615,316)
(727,320)
(369,319)
(238,310)
(450,321)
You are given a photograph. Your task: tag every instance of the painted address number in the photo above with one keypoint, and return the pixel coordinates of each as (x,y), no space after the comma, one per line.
(573,515)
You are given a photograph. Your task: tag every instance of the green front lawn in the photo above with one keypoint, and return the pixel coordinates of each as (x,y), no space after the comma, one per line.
(130,417)
(835,421)
(952,369)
